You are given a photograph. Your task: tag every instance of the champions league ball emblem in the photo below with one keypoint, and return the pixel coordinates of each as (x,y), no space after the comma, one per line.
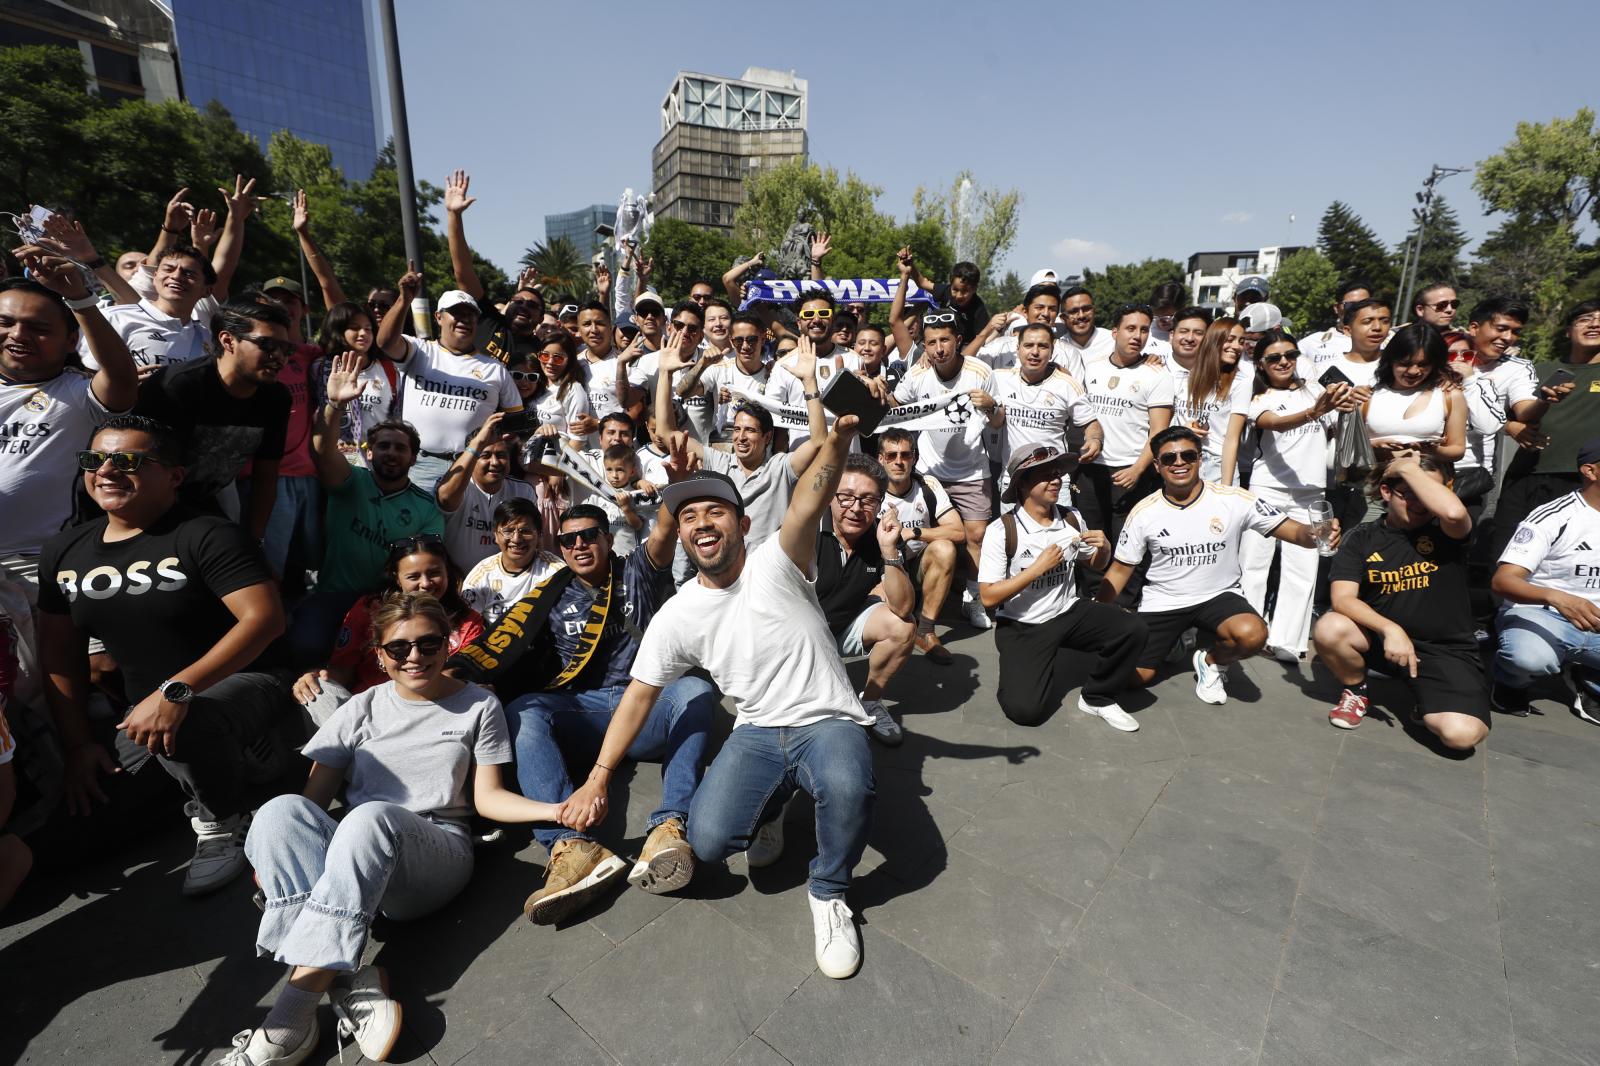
(960,412)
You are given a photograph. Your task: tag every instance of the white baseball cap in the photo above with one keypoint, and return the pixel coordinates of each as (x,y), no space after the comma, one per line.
(455,298)
(1044,277)
(1259,318)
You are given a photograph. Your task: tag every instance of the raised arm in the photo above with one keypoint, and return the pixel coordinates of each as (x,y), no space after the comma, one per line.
(898,592)
(1436,496)
(733,279)
(802,363)
(897,307)
(671,360)
(391,339)
(456,202)
(332,291)
(241,205)
(116,382)
(174,226)
(344,385)
(820,245)
(71,241)
(798,534)
(452,488)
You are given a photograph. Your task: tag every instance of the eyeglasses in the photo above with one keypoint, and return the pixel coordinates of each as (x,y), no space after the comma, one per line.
(526,375)
(589,535)
(808,313)
(850,501)
(400,650)
(641,312)
(1188,455)
(122,462)
(700,297)
(270,345)
(744,342)
(1587,320)
(1279,357)
(688,324)
(517,533)
(407,545)
(1446,305)
(940,318)
(521,302)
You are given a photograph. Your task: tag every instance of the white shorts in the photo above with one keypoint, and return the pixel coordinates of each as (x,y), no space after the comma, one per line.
(850,642)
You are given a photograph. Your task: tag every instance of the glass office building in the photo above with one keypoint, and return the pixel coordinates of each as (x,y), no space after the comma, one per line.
(300,65)
(578,226)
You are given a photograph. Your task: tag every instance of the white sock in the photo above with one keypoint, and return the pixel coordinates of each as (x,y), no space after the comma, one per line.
(292,1016)
(971,592)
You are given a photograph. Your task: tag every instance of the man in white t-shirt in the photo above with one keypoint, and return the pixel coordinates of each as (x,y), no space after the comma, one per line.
(1039,402)
(451,387)
(1333,342)
(996,344)
(1029,556)
(1507,384)
(1091,342)
(798,723)
(746,370)
(1132,398)
(954,453)
(815,311)
(1190,531)
(500,580)
(1549,578)
(1165,301)
(931,533)
(476,483)
(174,324)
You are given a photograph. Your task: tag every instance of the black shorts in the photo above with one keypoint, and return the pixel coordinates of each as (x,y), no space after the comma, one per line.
(1165,627)
(1449,677)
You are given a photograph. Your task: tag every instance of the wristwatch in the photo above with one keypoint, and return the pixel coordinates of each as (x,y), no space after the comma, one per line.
(916,532)
(898,560)
(176,691)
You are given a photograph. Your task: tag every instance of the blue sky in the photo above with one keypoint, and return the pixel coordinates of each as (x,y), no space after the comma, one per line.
(1132,130)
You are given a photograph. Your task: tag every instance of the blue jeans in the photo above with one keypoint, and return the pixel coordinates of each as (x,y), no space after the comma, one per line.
(760,767)
(1537,642)
(296,516)
(325,879)
(544,724)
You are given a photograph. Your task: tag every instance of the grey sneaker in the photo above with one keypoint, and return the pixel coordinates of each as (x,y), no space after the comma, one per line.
(884,728)
(366,1013)
(252,1048)
(218,854)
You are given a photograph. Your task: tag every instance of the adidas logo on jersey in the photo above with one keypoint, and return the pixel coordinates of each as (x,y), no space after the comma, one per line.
(1025,553)
(1163,533)
(1583,546)
(1374,558)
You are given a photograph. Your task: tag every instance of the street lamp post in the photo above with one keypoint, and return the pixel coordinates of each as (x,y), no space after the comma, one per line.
(1412,263)
(402,162)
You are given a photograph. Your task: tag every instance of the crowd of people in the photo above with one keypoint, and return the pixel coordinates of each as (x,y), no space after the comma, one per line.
(465,576)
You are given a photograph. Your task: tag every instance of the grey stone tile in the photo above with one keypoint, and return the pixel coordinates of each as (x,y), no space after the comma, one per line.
(756,1052)
(900,1008)
(688,988)
(1553,1005)
(1206,963)
(1253,874)
(1381,820)
(1412,997)
(1531,1054)
(1547,916)
(1070,862)
(1298,1036)
(1574,750)
(1416,774)
(1306,767)
(1157,740)
(1081,1016)
(1241,801)
(982,923)
(1114,796)
(543,1033)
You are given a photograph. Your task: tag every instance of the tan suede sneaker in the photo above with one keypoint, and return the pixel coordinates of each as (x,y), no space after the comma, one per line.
(579,869)
(666,863)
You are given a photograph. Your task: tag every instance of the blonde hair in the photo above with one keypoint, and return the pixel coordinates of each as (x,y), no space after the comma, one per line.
(400,607)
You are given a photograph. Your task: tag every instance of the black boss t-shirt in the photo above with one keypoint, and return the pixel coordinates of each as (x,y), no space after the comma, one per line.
(221,432)
(1416,579)
(154,599)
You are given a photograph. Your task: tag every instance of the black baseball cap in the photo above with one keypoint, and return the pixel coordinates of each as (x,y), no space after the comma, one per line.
(701,485)
(1589,451)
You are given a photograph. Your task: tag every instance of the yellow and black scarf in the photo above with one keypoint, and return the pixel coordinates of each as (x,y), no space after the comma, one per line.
(518,655)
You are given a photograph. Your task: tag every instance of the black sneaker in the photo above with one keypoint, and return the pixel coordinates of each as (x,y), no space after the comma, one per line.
(1508,700)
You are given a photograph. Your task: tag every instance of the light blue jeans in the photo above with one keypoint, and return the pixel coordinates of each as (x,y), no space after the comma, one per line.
(296,515)
(1536,641)
(760,767)
(545,725)
(324,879)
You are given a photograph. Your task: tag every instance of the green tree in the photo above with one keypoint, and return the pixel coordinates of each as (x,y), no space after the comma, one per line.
(686,253)
(864,239)
(982,222)
(1354,250)
(43,97)
(1303,288)
(562,269)
(1124,283)
(1442,241)
(1003,294)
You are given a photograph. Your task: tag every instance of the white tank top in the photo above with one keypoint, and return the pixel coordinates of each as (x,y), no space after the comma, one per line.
(1387,418)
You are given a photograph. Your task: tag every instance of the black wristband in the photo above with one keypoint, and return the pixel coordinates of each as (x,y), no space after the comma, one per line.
(168,229)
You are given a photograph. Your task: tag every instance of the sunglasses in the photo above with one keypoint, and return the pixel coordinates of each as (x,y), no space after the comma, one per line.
(688,325)
(526,375)
(941,318)
(270,345)
(590,535)
(1188,455)
(1446,305)
(744,342)
(404,547)
(808,313)
(1279,357)
(568,311)
(648,312)
(400,650)
(122,462)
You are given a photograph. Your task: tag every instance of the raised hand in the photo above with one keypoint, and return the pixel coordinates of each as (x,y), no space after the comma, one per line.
(529,278)
(180,213)
(889,532)
(242,201)
(802,362)
(646,268)
(344,379)
(672,356)
(456,199)
(602,281)
(410,283)
(907,261)
(55,272)
(302,214)
(821,244)
(203,230)
(69,239)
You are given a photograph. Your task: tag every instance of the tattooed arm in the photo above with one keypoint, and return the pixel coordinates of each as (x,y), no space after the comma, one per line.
(798,536)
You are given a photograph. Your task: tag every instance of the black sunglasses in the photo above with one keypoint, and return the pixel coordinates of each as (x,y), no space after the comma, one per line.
(122,462)
(270,345)
(407,545)
(400,650)
(589,535)
(744,342)
(1279,357)
(1188,455)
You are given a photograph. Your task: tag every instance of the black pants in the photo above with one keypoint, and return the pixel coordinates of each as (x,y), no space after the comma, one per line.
(1105,505)
(1028,656)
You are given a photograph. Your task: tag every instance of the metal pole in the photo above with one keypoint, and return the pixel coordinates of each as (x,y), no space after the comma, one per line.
(1416,261)
(1405,268)
(402,161)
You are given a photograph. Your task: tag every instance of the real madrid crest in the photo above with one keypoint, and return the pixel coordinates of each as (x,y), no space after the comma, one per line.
(1216,525)
(1112,383)
(37,403)
(1425,545)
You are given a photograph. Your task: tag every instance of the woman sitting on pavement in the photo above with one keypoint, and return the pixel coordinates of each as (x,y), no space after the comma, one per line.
(415,565)
(409,754)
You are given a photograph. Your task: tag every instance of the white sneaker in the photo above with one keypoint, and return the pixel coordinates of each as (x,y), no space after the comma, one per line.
(218,854)
(767,847)
(838,943)
(366,1013)
(1114,716)
(252,1048)
(1208,680)
(972,610)
(1586,706)
(884,728)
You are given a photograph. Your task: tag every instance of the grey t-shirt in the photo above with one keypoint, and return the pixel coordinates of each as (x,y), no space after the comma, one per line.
(414,754)
(765,491)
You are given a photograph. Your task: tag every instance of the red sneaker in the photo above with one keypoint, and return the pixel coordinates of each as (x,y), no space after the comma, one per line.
(1349,711)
